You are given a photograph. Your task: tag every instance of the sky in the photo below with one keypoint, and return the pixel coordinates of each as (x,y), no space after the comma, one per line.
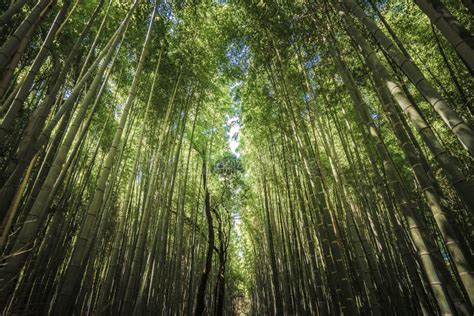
(232,135)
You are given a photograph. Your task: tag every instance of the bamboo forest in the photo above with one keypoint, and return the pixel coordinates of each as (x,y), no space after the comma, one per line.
(240,157)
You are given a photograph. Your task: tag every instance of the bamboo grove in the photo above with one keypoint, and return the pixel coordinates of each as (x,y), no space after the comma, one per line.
(309,157)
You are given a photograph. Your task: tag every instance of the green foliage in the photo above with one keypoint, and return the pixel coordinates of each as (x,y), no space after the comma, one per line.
(306,165)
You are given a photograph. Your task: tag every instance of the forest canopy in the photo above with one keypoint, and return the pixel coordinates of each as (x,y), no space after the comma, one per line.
(310,157)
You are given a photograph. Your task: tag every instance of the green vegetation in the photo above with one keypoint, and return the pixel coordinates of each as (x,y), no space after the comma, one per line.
(236,157)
